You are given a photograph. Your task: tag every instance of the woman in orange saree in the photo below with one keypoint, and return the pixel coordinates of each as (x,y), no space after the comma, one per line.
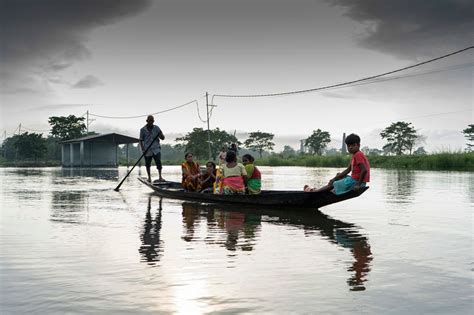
(190,172)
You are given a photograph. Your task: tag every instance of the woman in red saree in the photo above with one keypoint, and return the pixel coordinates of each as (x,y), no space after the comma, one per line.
(190,171)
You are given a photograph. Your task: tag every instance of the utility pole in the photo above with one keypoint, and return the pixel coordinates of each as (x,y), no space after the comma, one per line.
(3,144)
(343,147)
(19,130)
(87,122)
(208,130)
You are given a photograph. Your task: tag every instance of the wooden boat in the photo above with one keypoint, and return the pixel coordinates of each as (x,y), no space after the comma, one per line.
(273,198)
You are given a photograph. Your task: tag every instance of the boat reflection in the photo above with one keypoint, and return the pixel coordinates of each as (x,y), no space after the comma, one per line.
(242,227)
(236,224)
(151,244)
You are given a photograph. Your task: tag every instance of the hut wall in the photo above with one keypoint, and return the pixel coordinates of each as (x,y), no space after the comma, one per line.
(101,154)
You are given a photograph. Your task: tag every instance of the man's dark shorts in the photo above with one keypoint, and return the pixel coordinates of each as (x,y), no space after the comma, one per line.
(157,158)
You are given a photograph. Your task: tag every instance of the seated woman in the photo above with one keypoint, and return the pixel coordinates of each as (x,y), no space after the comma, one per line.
(207,180)
(233,175)
(254,181)
(190,172)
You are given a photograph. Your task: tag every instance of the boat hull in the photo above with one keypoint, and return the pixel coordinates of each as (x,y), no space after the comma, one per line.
(272,198)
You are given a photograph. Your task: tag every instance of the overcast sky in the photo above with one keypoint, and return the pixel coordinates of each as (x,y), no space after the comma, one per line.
(130,58)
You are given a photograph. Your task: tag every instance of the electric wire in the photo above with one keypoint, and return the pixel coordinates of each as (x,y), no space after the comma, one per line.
(380,80)
(140,116)
(340,84)
(34,130)
(439,114)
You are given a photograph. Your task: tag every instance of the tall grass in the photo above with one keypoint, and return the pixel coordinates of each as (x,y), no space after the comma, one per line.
(440,161)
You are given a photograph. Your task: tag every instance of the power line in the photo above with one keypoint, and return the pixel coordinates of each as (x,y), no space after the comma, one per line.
(344,83)
(428,115)
(199,114)
(139,116)
(34,130)
(453,67)
(439,114)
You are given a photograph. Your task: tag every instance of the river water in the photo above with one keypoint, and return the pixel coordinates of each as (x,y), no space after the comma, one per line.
(71,244)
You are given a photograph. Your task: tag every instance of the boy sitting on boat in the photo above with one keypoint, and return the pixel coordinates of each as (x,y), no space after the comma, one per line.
(359,165)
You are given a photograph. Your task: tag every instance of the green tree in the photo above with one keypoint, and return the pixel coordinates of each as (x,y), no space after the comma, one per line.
(8,148)
(333,152)
(288,151)
(53,149)
(318,141)
(196,142)
(259,141)
(370,151)
(30,146)
(66,128)
(388,149)
(172,152)
(400,136)
(420,151)
(469,134)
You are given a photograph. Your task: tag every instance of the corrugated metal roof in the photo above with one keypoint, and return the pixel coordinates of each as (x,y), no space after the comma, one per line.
(108,137)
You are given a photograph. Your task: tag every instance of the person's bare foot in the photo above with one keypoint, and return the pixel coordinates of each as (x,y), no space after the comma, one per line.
(161,179)
(307,188)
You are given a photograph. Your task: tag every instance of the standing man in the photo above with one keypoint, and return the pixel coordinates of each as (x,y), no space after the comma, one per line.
(150,136)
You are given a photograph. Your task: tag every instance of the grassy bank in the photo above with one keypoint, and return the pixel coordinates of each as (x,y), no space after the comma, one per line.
(5,163)
(436,162)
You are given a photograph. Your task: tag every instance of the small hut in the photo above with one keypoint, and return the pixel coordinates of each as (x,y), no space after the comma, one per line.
(94,151)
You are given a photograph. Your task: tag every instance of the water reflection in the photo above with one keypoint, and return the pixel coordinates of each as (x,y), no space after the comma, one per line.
(346,235)
(98,173)
(470,190)
(400,186)
(151,242)
(242,227)
(29,172)
(69,207)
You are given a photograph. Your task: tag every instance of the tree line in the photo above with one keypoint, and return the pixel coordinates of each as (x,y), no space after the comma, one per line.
(401,139)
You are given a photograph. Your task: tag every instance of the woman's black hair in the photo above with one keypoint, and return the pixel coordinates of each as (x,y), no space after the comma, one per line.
(212,163)
(231,156)
(248,157)
(352,139)
(187,153)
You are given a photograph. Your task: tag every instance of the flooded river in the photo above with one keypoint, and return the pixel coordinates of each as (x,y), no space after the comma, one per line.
(71,244)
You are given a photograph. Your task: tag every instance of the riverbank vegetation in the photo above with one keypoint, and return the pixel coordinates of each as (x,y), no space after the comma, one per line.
(402,150)
(446,161)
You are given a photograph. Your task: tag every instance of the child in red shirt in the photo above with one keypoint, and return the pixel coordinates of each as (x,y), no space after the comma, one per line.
(359,166)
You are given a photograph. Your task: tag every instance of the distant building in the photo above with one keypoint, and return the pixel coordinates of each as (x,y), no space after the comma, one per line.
(343,148)
(303,148)
(94,151)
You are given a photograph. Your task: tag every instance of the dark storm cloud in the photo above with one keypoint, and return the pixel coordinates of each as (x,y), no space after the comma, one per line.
(409,28)
(87,82)
(46,28)
(49,35)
